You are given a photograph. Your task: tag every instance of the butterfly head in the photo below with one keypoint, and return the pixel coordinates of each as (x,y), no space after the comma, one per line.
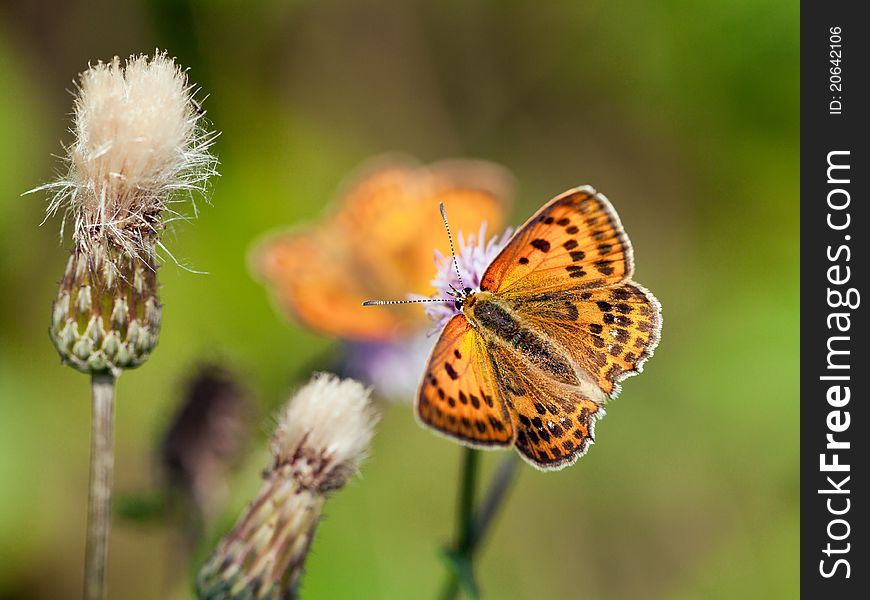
(461,297)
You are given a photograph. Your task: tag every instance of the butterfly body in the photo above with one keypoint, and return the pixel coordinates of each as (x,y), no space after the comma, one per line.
(538,350)
(503,330)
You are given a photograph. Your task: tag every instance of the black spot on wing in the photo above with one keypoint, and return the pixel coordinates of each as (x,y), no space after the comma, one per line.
(571,311)
(451,372)
(620,293)
(605,267)
(541,244)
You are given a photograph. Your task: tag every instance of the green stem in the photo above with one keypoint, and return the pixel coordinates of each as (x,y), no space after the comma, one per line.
(461,553)
(465,524)
(100,490)
(473,525)
(495,495)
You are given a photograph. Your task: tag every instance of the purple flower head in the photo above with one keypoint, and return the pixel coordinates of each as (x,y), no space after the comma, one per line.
(394,368)
(473,256)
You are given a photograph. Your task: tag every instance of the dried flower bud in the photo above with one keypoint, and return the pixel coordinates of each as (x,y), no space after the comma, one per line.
(138,143)
(321,437)
(205,438)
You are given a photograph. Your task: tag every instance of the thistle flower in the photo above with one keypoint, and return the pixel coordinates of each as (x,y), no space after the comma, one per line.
(139,149)
(473,256)
(138,143)
(393,367)
(321,437)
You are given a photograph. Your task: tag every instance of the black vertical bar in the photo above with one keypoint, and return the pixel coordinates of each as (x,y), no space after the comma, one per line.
(835,65)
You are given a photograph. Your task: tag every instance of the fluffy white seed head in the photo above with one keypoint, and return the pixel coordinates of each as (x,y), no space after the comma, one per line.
(322,435)
(324,431)
(139,141)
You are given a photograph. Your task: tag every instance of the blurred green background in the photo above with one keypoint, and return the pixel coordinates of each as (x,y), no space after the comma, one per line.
(684,113)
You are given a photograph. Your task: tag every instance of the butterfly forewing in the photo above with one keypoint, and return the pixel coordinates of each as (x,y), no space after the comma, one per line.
(459,395)
(574,241)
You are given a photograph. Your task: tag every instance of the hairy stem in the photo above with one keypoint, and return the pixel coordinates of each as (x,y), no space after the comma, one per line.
(100,490)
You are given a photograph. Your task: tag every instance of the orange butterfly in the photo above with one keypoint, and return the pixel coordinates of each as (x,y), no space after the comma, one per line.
(379,239)
(540,348)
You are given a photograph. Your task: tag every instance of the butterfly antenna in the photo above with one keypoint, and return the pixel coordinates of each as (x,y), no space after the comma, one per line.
(452,249)
(422,300)
(416,301)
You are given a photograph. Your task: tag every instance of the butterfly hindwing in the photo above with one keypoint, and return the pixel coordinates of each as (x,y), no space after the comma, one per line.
(554,422)
(459,396)
(574,241)
(608,332)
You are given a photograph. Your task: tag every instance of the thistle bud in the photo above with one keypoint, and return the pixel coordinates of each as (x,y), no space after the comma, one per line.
(107,314)
(321,437)
(139,147)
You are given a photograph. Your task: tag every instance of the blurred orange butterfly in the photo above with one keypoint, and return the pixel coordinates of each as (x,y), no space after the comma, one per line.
(539,349)
(379,239)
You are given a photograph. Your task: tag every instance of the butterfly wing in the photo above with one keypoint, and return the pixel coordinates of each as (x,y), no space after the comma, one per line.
(390,219)
(566,274)
(459,395)
(554,422)
(608,332)
(575,241)
(378,243)
(313,281)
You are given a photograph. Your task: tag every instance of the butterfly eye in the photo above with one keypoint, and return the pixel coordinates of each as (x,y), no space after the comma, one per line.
(467,291)
(458,303)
